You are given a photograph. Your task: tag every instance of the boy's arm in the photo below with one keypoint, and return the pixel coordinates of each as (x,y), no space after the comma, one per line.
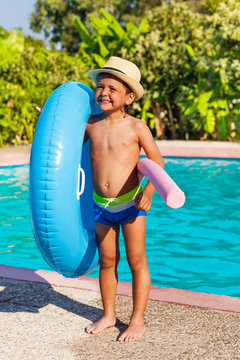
(144,200)
(147,142)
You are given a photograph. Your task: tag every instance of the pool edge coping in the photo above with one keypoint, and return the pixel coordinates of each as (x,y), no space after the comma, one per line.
(20,155)
(161,294)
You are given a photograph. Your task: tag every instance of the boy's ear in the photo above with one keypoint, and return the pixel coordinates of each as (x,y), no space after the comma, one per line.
(131,97)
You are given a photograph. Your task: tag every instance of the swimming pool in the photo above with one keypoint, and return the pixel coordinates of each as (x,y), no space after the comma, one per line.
(196,247)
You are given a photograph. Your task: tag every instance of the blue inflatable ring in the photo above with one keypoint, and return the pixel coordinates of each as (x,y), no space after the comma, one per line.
(61,193)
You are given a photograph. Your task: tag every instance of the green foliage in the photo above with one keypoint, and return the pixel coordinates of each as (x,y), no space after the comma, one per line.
(55,18)
(28,76)
(191,71)
(210,104)
(10,46)
(108,38)
(212,5)
(165,56)
(189,63)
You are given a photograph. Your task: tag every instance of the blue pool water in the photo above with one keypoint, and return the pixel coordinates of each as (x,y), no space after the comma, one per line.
(196,247)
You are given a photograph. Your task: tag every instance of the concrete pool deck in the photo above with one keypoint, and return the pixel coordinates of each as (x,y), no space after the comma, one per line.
(43,315)
(43,321)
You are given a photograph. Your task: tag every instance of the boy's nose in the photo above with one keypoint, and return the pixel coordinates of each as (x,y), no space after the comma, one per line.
(104,91)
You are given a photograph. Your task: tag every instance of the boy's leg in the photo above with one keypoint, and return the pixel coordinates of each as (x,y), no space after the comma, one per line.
(134,236)
(108,243)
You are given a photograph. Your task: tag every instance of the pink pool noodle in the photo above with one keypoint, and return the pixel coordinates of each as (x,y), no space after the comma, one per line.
(165,186)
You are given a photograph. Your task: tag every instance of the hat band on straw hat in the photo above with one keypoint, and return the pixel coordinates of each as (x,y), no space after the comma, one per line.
(111,68)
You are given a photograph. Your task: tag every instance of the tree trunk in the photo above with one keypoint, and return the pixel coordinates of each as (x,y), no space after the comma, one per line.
(159,126)
(172,126)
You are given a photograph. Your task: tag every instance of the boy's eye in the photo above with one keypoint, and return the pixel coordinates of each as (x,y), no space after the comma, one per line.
(111,88)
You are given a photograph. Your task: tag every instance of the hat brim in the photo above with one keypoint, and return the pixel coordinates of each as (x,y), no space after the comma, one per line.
(134,85)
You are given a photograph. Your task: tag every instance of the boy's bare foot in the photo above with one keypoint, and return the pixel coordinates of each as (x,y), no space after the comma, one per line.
(133,333)
(100,325)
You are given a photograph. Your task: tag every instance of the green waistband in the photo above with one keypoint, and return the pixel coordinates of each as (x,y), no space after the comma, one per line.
(119,200)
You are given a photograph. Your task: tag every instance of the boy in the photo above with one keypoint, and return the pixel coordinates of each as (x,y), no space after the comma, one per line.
(115,142)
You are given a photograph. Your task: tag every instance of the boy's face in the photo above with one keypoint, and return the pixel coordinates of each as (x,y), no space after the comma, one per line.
(112,94)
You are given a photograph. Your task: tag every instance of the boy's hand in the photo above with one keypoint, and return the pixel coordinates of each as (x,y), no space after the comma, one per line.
(143,201)
(38,109)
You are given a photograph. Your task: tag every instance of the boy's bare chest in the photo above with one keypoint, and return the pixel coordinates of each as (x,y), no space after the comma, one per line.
(113,137)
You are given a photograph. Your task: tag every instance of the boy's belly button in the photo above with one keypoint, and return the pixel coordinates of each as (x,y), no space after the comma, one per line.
(106,185)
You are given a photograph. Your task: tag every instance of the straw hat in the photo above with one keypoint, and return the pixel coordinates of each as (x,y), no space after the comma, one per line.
(124,70)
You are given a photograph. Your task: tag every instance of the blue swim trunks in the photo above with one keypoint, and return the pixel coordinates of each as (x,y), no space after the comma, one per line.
(104,216)
(116,211)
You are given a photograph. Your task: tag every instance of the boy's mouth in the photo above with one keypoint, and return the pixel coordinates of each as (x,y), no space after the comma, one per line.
(104,101)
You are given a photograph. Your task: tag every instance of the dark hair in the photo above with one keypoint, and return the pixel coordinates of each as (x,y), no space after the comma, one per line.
(129,90)
(127,108)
